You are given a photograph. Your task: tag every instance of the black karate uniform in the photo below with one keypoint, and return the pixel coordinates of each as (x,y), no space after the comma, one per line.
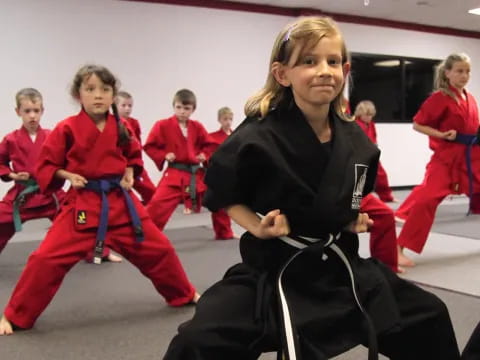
(279,163)
(472,349)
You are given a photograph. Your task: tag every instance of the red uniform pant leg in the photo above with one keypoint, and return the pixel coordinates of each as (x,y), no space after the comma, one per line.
(404,209)
(382,188)
(145,187)
(163,204)
(383,237)
(7,230)
(222,225)
(46,267)
(156,258)
(428,196)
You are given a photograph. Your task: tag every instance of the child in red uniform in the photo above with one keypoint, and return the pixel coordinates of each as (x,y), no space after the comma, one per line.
(220,219)
(183,144)
(142,184)
(450,119)
(96,154)
(18,154)
(364,113)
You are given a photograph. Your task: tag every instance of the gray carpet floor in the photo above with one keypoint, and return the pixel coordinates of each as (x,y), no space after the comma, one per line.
(112,312)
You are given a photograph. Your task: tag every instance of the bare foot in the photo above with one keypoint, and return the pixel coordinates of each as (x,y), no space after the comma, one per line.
(196,297)
(114,258)
(5,326)
(187,211)
(404,260)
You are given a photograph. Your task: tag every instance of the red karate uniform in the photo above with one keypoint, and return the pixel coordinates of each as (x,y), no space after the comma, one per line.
(143,184)
(446,173)
(78,146)
(19,153)
(383,236)
(220,219)
(382,188)
(174,187)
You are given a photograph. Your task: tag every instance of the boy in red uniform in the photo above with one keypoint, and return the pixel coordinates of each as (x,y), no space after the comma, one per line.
(143,185)
(183,144)
(19,151)
(95,152)
(220,219)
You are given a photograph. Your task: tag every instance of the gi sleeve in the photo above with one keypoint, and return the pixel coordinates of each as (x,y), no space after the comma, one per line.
(432,110)
(52,158)
(5,168)
(155,146)
(133,151)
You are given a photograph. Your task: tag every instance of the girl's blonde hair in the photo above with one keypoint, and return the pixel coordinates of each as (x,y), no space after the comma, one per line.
(441,82)
(306,32)
(365,107)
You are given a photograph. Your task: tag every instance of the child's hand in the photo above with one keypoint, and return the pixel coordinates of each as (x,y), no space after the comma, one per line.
(127,179)
(20,176)
(170,157)
(77,181)
(201,157)
(272,225)
(362,224)
(449,135)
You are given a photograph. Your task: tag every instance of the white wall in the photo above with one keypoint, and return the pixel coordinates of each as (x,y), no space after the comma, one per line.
(156,49)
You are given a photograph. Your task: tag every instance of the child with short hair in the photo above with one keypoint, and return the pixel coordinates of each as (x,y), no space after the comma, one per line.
(95,153)
(142,184)
(19,151)
(183,145)
(293,175)
(222,225)
(365,111)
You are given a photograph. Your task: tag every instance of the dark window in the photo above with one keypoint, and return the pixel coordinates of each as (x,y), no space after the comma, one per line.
(396,85)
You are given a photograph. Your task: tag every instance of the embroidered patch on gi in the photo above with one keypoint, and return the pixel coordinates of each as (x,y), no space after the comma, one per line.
(81,217)
(360,178)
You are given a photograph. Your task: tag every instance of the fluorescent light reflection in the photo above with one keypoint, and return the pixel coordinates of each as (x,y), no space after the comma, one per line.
(390,63)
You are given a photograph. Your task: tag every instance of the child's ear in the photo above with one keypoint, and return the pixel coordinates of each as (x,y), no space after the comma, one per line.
(279,72)
(17,111)
(346,69)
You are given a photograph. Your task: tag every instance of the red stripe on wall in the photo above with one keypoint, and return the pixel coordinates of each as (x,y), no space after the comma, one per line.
(294,12)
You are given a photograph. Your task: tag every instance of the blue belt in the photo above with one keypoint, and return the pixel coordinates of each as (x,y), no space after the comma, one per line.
(103,187)
(469,141)
(192,169)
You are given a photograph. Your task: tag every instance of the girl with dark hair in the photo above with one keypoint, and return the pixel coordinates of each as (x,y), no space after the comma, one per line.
(94,151)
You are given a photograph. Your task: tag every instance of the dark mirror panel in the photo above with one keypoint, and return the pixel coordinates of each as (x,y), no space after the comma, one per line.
(396,85)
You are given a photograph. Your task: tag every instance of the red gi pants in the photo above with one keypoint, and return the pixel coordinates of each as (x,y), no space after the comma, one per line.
(419,208)
(222,225)
(144,186)
(166,199)
(382,188)
(7,229)
(64,246)
(383,237)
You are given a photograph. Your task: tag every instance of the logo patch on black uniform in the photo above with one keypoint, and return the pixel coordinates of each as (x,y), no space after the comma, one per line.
(81,217)
(360,179)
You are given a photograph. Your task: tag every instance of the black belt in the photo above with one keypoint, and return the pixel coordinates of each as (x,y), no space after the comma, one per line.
(192,169)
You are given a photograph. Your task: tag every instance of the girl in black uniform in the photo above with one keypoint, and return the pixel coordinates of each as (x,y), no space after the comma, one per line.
(293,175)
